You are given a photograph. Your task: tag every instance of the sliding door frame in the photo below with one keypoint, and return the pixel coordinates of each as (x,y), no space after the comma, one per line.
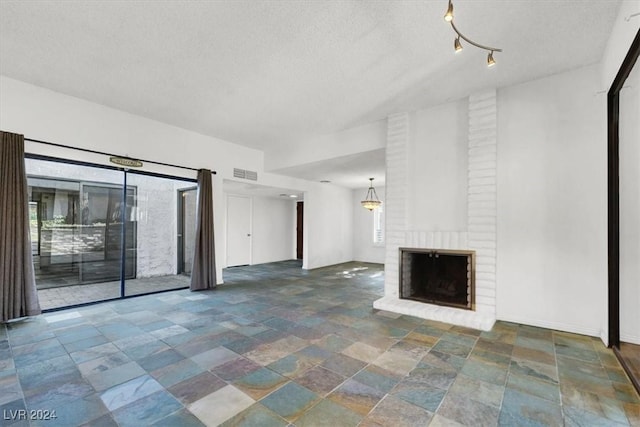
(613,118)
(125,172)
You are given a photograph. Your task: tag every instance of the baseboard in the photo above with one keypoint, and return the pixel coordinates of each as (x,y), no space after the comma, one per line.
(558,326)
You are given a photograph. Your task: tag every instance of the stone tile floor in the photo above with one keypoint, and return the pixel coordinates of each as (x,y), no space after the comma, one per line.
(277,345)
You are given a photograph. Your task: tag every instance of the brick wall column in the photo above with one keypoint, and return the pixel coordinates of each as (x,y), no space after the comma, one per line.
(482,196)
(396,197)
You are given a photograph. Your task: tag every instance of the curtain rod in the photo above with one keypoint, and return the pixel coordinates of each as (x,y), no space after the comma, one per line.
(86,150)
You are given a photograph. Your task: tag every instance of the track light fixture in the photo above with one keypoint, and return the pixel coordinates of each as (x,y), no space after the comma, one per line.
(458,46)
(449,15)
(490,61)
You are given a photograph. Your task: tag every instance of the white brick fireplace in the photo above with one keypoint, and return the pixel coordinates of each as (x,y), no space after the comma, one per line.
(480,234)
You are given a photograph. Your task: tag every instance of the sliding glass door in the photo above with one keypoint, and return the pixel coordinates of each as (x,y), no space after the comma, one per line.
(101,233)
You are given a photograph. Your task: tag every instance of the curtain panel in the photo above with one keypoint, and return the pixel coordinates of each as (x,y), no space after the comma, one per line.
(203,273)
(18,294)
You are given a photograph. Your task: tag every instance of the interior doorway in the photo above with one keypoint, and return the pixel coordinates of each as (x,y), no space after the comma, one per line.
(238,230)
(299,229)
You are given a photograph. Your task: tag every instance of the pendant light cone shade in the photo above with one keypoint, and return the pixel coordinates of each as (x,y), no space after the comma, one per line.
(490,61)
(449,15)
(371,201)
(457,45)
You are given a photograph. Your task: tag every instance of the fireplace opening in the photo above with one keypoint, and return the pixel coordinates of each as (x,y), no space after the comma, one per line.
(436,276)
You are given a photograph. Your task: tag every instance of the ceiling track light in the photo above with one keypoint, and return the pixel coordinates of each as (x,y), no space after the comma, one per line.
(458,46)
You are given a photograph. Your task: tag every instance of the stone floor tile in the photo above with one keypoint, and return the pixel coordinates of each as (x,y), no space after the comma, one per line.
(343,365)
(329,414)
(398,413)
(290,401)
(114,376)
(212,358)
(176,372)
(468,412)
(256,416)
(535,387)
(220,405)
(259,383)
(126,393)
(480,391)
(362,351)
(293,365)
(523,409)
(197,387)
(147,410)
(235,369)
(420,394)
(358,397)
(75,413)
(395,362)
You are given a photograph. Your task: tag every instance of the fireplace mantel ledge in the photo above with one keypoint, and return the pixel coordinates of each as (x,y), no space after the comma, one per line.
(455,316)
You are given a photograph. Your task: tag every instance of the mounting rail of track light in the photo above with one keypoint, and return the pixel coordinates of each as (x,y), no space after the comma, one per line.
(458,46)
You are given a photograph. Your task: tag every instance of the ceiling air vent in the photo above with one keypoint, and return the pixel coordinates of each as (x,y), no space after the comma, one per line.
(245,174)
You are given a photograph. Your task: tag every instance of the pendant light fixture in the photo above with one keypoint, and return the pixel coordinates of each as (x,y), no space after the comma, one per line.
(458,46)
(371,201)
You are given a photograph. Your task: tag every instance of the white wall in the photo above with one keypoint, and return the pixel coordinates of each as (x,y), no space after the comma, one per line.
(272,231)
(364,249)
(629,155)
(437,155)
(43,114)
(328,226)
(552,203)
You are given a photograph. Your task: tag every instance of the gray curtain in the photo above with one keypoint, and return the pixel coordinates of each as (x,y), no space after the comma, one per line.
(203,273)
(19,297)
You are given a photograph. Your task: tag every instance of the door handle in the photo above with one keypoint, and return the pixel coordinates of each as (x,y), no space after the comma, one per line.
(248,235)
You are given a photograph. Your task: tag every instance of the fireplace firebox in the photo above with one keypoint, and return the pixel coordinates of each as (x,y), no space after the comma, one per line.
(438,276)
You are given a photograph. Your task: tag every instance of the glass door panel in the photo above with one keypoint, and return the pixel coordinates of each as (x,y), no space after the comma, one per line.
(154,222)
(102,208)
(187,200)
(69,218)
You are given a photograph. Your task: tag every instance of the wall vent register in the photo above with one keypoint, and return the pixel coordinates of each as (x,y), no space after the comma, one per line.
(245,174)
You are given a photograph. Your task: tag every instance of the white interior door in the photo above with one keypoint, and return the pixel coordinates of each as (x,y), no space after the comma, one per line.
(238,230)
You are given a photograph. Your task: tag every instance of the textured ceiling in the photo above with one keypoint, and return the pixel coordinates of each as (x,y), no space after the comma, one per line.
(270,73)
